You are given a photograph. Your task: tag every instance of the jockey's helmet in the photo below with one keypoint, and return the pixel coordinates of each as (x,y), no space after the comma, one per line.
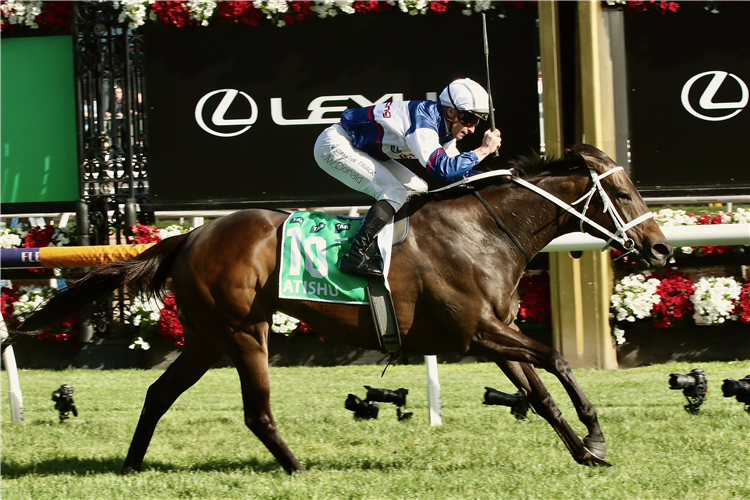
(468,98)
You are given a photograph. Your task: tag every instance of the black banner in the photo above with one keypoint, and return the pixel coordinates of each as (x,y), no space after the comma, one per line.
(234,111)
(689,74)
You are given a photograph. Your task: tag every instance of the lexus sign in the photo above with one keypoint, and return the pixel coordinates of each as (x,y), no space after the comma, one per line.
(234,110)
(688,78)
(711,87)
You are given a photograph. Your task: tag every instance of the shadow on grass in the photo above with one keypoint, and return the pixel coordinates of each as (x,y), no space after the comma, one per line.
(82,467)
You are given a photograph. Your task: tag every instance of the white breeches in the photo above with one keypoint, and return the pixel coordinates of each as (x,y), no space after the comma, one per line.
(383,180)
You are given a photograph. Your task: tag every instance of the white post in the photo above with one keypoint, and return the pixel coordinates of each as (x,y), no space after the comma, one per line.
(197,221)
(433,391)
(14,387)
(64,217)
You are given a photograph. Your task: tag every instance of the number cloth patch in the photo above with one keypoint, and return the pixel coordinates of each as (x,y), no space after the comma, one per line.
(312,245)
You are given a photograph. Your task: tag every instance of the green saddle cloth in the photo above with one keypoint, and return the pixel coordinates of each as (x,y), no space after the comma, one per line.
(311,247)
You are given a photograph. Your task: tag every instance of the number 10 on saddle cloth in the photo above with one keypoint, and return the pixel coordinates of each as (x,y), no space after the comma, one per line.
(312,244)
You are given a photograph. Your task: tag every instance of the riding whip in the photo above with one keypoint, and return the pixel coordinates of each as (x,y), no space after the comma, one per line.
(487,65)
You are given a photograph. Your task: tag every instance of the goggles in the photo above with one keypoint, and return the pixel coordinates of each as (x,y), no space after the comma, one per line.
(466,117)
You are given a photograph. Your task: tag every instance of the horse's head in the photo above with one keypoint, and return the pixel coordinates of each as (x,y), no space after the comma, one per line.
(622,210)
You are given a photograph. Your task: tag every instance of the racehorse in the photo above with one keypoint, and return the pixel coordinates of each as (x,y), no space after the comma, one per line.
(453,280)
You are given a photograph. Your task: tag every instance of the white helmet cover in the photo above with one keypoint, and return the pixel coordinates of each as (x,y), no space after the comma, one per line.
(466,94)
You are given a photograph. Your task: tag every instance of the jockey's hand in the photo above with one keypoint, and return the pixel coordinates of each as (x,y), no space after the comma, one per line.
(490,142)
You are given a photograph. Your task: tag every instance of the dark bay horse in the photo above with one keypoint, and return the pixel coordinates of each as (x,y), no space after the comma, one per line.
(453,280)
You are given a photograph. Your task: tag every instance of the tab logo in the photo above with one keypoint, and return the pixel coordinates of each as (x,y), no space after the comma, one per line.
(706,101)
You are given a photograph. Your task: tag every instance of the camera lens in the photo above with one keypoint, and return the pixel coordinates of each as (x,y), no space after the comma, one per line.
(495,397)
(738,388)
(362,409)
(680,381)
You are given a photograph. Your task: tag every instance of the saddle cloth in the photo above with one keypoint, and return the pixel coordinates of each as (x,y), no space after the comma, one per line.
(312,243)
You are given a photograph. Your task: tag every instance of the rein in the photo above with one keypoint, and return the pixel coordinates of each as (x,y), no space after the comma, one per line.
(502,226)
(620,235)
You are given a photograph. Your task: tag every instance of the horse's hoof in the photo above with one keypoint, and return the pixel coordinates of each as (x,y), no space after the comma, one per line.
(596,446)
(129,471)
(591,460)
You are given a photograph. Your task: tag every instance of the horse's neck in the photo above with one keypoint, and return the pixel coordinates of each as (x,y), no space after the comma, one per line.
(534,220)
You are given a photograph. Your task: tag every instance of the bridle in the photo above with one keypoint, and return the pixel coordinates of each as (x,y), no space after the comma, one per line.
(621,227)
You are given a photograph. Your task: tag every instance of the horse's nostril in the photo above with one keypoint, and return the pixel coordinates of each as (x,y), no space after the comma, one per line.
(661,250)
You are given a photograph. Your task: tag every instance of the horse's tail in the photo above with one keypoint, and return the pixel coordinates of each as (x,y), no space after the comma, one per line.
(146,274)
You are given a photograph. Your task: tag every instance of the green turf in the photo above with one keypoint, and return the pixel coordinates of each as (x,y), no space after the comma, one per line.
(202,449)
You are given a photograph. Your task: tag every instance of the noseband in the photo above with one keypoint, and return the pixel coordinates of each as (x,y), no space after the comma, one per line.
(620,235)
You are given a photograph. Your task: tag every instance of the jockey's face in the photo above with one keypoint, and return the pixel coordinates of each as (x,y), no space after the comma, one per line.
(458,129)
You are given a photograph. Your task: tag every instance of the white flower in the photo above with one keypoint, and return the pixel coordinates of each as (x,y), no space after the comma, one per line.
(740,216)
(173,230)
(669,217)
(148,311)
(619,334)
(139,343)
(201,10)
(715,298)
(22,12)
(283,323)
(9,239)
(132,11)
(29,299)
(634,298)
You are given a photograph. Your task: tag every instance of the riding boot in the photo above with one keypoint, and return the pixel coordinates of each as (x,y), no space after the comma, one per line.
(357,261)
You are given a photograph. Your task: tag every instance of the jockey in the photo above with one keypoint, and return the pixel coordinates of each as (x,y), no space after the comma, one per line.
(361,151)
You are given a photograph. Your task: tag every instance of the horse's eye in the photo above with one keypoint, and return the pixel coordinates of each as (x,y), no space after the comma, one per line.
(622,196)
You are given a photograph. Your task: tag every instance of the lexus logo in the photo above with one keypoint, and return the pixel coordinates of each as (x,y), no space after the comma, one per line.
(218,120)
(706,101)
(319,110)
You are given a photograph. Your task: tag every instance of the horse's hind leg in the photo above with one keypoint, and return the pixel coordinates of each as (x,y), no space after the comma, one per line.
(198,355)
(526,379)
(251,360)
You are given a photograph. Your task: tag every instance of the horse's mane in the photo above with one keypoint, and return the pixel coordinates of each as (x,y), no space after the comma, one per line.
(536,165)
(531,166)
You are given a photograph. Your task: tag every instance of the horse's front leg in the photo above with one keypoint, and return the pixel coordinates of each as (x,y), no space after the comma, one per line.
(506,345)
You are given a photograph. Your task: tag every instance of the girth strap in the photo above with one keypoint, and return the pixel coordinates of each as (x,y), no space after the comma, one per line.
(502,226)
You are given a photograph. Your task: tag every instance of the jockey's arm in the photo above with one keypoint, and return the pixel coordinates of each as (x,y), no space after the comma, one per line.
(441,163)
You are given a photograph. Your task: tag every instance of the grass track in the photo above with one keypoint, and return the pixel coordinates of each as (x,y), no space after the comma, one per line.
(201,448)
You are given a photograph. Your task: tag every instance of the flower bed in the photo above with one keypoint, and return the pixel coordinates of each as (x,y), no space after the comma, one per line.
(18,303)
(18,15)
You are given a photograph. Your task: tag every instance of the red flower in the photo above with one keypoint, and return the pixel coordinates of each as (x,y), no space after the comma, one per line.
(8,297)
(143,234)
(240,12)
(174,12)
(675,289)
(371,6)
(535,301)
(38,237)
(439,6)
(169,324)
(55,15)
(718,249)
(742,309)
